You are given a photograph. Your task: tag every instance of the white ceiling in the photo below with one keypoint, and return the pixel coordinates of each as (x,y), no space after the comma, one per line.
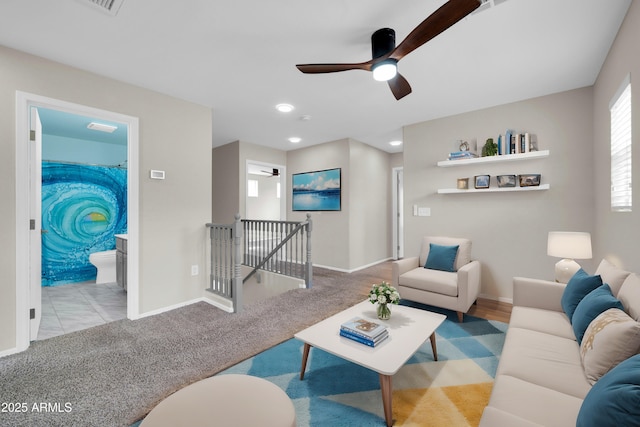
(238,57)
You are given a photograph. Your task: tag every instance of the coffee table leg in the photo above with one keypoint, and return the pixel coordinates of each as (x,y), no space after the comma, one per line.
(305,355)
(387,389)
(433,346)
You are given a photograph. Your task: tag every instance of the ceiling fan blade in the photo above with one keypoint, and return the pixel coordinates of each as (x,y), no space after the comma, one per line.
(443,18)
(333,68)
(399,86)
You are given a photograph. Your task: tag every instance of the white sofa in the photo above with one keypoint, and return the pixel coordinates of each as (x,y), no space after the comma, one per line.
(541,378)
(453,290)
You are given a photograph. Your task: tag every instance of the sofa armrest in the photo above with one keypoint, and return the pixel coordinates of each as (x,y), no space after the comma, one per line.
(400,267)
(469,283)
(537,293)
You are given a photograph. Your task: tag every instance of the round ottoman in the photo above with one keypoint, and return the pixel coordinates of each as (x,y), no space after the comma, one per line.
(225,400)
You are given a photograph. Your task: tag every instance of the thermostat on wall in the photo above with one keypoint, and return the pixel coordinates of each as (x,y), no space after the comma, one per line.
(153,174)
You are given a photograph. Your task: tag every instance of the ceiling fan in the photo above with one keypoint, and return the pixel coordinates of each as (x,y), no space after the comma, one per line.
(273,172)
(386,54)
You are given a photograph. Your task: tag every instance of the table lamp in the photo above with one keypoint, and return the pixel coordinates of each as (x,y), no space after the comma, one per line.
(568,245)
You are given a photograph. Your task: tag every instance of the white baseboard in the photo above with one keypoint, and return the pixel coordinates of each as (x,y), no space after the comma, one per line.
(171,307)
(342,270)
(494,298)
(9,352)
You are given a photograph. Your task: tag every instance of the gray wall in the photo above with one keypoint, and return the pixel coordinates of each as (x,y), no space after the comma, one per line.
(617,234)
(508,230)
(175,136)
(358,235)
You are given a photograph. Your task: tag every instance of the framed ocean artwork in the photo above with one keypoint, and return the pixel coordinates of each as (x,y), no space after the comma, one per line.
(317,191)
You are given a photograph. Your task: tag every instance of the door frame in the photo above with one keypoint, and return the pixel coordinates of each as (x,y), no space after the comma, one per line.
(24,102)
(282,179)
(397,193)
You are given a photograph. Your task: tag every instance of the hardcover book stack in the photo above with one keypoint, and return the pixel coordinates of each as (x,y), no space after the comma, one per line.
(364,331)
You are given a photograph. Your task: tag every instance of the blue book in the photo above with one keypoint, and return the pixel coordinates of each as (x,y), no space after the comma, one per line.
(362,340)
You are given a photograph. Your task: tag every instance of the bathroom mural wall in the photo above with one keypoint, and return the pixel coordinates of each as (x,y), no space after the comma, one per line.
(83,207)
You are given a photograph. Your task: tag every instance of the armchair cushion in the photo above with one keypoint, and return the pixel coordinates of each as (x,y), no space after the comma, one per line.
(441,257)
(439,282)
(464,249)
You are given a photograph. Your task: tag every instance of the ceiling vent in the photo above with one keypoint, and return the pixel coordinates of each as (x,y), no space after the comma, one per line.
(110,7)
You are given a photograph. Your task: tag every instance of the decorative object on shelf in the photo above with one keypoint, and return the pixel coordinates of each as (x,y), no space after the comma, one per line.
(384,295)
(529,180)
(482,181)
(463,183)
(506,181)
(490,148)
(568,245)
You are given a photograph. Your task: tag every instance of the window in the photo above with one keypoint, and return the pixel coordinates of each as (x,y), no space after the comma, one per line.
(252,188)
(620,108)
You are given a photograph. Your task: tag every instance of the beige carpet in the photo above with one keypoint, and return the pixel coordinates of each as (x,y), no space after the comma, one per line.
(112,375)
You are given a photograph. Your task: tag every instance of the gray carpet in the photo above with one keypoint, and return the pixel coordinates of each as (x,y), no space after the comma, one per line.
(114,374)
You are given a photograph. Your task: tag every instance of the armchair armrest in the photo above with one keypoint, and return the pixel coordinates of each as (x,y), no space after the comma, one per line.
(537,293)
(400,267)
(469,283)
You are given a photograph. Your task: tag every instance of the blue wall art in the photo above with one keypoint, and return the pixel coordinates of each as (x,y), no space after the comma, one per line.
(316,191)
(83,207)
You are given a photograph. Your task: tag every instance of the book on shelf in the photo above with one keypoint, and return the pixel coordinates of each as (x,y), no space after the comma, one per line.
(457,155)
(365,328)
(362,340)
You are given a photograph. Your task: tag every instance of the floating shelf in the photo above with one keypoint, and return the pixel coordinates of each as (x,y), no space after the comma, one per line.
(494,159)
(540,187)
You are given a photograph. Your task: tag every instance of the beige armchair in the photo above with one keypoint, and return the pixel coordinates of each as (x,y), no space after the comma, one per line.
(456,289)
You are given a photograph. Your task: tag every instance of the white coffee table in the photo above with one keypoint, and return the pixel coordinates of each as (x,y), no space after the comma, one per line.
(408,327)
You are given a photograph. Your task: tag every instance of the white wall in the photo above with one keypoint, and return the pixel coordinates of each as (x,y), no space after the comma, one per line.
(267,205)
(175,136)
(508,230)
(617,234)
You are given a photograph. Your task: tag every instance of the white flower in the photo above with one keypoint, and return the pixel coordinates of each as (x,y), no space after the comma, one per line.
(382,299)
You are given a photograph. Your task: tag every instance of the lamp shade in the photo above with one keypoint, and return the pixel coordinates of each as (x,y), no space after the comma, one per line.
(569,244)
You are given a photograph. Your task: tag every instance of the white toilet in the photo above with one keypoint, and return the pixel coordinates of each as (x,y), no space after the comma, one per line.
(105,262)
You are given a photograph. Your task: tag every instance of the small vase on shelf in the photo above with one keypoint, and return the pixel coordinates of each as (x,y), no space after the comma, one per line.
(384,311)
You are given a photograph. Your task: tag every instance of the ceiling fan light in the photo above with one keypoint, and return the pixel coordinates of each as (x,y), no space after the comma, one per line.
(385,70)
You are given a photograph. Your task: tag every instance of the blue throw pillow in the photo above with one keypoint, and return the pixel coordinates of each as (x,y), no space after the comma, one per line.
(614,400)
(441,257)
(578,287)
(598,301)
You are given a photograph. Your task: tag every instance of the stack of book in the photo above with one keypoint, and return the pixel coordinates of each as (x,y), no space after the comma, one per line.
(364,331)
(459,155)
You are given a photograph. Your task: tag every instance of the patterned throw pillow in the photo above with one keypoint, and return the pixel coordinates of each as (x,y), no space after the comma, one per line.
(611,337)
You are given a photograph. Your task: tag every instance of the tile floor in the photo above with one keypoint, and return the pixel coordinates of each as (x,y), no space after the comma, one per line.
(77,306)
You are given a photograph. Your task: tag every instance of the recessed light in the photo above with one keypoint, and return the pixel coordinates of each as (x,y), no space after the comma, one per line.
(102,127)
(295,139)
(395,143)
(284,108)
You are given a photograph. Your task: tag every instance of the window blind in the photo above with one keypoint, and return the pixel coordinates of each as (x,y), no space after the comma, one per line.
(620,108)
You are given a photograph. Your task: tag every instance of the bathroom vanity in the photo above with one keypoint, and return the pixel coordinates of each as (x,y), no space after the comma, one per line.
(121,260)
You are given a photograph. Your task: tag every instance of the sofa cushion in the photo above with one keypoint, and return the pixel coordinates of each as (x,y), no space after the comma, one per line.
(442,257)
(440,282)
(494,417)
(611,337)
(611,275)
(546,360)
(629,295)
(598,301)
(464,250)
(615,399)
(535,403)
(541,320)
(577,288)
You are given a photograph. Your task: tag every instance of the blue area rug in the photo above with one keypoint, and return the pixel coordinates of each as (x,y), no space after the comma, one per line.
(450,392)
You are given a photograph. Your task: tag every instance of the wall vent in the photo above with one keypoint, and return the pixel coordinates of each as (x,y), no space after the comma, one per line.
(107,6)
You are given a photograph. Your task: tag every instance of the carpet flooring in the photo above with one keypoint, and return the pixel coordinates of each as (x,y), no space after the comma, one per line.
(451,392)
(114,374)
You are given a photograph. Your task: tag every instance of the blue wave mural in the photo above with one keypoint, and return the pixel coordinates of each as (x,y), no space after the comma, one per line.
(83,207)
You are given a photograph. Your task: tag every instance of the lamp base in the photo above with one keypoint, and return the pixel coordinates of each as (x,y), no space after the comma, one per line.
(565,269)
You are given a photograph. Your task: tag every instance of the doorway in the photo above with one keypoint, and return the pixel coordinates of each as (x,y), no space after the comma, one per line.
(397,212)
(29,206)
(84,206)
(265,191)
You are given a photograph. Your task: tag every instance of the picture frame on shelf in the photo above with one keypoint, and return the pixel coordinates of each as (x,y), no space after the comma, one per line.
(529,180)
(463,184)
(505,181)
(482,181)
